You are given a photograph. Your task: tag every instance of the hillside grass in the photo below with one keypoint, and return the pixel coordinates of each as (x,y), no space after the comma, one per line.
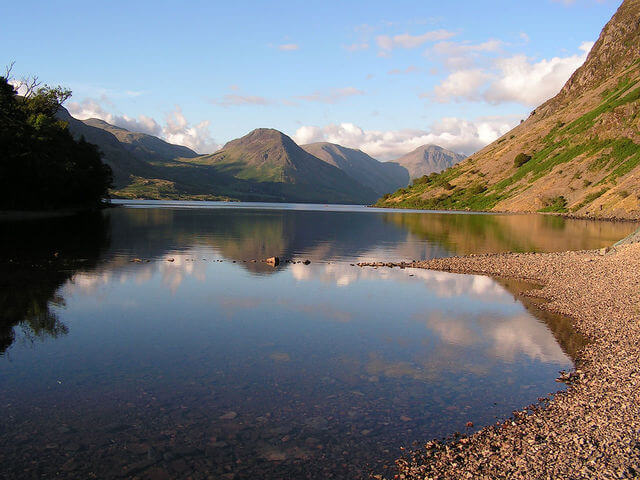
(563,144)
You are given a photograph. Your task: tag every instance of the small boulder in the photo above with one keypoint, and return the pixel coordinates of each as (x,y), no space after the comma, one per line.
(273,261)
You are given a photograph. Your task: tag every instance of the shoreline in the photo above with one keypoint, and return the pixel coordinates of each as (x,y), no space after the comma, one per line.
(634,218)
(590,430)
(27,215)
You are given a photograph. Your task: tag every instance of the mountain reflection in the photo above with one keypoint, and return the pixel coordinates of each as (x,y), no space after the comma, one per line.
(137,243)
(244,235)
(36,259)
(465,234)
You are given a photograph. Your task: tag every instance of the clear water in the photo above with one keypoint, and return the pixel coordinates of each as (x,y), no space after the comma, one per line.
(152,341)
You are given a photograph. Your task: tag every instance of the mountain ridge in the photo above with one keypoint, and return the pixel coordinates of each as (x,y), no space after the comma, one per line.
(578,152)
(428,159)
(268,156)
(382,177)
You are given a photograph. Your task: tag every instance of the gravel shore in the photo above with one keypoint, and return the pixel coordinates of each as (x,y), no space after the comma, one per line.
(591,430)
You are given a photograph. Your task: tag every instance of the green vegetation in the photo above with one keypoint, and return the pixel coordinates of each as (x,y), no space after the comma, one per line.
(555,204)
(588,199)
(521,159)
(563,144)
(42,166)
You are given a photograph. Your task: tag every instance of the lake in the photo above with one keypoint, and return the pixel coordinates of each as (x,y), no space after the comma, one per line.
(152,341)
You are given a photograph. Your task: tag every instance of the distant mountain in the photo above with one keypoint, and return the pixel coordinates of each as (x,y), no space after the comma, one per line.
(116,154)
(278,167)
(428,159)
(264,165)
(578,152)
(381,177)
(142,144)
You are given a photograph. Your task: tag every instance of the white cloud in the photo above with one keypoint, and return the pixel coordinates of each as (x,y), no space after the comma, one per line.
(232,99)
(512,79)
(90,108)
(18,86)
(134,93)
(387,43)
(458,55)
(331,96)
(354,47)
(401,71)
(288,47)
(456,134)
(463,84)
(177,129)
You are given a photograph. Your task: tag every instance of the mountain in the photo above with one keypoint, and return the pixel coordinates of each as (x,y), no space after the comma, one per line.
(579,152)
(280,170)
(428,159)
(381,177)
(117,155)
(264,165)
(145,166)
(141,144)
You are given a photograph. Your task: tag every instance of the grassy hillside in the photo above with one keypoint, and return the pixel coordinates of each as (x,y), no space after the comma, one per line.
(276,166)
(265,165)
(578,152)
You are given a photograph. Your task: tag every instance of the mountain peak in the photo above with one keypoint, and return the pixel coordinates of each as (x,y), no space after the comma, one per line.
(579,152)
(99,123)
(261,137)
(381,177)
(616,49)
(427,159)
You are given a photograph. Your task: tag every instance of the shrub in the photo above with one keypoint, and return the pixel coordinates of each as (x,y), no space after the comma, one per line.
(477,189)
(555,204)
(521,159)
(422,180)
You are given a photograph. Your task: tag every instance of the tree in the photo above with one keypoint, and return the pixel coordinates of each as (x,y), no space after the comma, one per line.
(41,165)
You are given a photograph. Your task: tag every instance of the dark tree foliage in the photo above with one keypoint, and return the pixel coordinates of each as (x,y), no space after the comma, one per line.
(41,165)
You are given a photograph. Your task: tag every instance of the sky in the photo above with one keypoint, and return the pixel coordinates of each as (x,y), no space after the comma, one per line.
(382,76)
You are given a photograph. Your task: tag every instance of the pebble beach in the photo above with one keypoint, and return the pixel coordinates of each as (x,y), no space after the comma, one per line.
(592,429)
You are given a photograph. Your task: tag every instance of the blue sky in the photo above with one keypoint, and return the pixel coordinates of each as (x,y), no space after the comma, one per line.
(382,76)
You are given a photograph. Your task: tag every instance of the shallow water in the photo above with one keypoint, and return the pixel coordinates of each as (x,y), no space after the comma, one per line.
(118,362)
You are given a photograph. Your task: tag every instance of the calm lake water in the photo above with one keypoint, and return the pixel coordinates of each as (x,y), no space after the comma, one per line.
(151,342)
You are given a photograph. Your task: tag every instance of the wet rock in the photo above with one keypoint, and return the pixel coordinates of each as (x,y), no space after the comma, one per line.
(280,357)
(156,473)
(317,423)
(273,455)
(273,261)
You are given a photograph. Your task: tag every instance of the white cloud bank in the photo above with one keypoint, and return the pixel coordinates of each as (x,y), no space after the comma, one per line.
(176,129)
(515,79)
(387,43)
(459,135)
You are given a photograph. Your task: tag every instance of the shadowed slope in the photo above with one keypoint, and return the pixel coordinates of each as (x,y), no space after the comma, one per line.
(382,177)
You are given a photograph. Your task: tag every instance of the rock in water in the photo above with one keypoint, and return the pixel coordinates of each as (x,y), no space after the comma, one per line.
(273,261)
